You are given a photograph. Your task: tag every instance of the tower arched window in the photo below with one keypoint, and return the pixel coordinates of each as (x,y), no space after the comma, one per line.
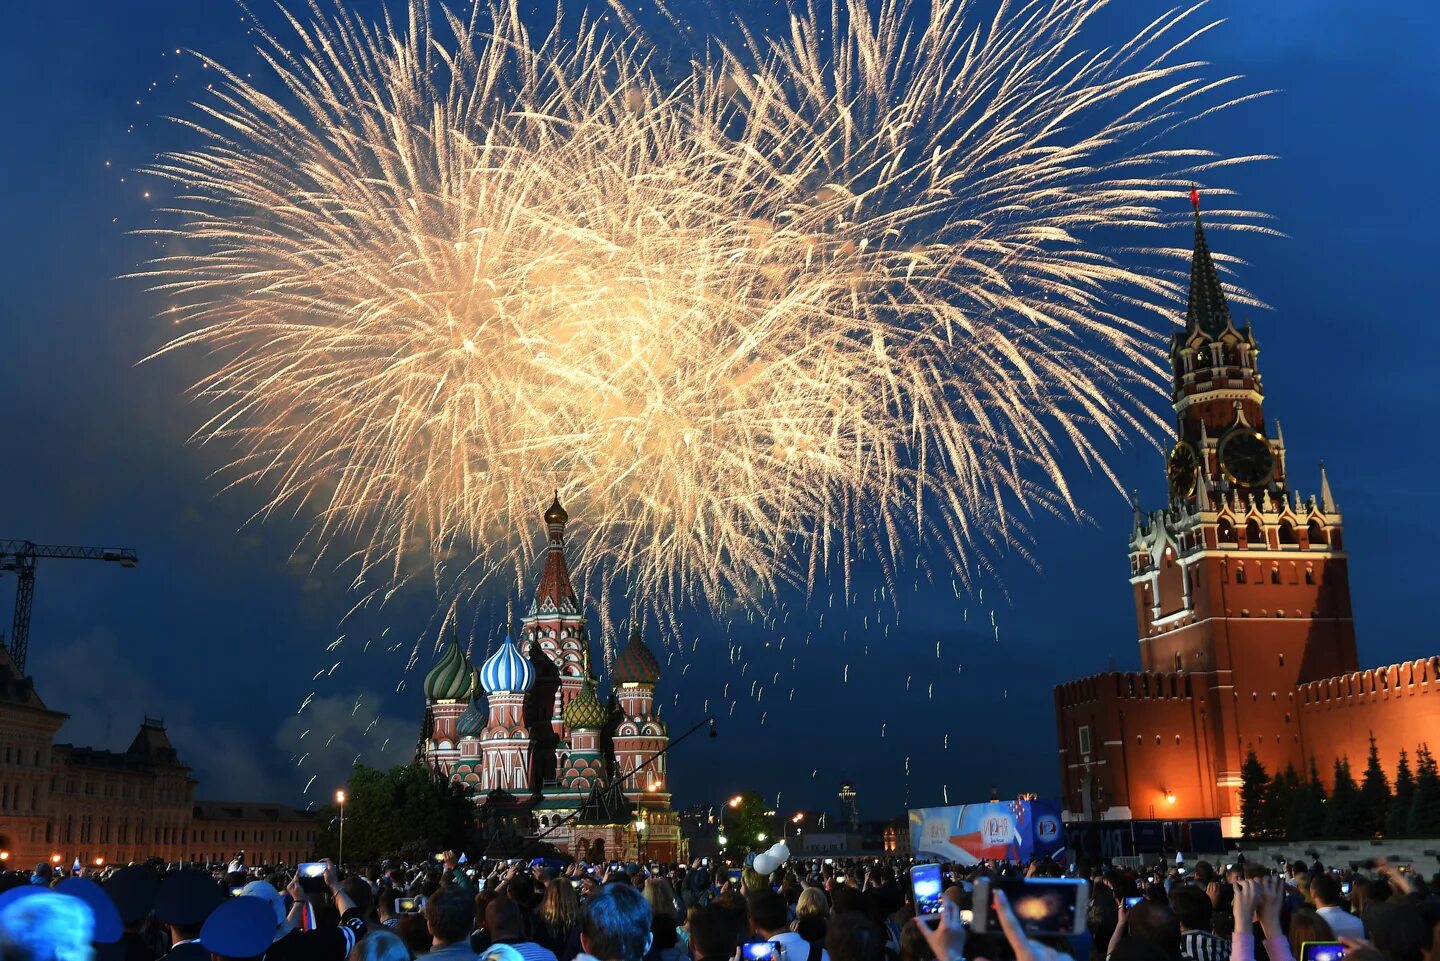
(1287,533)
(1317,534)
(1253,535)
(1226,532)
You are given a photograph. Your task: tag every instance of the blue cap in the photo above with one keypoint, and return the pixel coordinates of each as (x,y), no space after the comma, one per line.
(108,928)
(186,898)
(133,891)
(242,927)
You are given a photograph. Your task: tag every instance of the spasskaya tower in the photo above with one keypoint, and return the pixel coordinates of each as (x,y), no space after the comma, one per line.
(1242,602)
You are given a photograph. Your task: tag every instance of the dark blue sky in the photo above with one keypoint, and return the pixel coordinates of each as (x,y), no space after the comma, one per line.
(221,630)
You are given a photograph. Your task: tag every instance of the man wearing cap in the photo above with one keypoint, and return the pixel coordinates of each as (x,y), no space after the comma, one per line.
(184,900)
(133,890)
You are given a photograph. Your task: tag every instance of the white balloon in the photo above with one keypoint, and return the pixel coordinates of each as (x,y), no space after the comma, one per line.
(780,851)
(765,863)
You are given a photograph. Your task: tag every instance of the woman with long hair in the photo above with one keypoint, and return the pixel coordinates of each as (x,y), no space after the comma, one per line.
(558,915)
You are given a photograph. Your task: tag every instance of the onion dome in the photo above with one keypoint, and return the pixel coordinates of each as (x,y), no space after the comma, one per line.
(585,710)
(453,678)
(471,723)
(636,664)
(507,671)
(555,514)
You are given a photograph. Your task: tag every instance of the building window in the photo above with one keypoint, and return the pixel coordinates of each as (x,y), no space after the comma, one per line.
(1309,576)
(1084,737)
(1240,574)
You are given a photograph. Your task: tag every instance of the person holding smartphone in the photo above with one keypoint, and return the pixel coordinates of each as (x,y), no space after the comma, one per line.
(770,920)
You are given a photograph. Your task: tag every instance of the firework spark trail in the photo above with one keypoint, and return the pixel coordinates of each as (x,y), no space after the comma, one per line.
(817,300)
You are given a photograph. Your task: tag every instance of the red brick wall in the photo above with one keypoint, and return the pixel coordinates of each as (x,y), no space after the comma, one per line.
(1399,703)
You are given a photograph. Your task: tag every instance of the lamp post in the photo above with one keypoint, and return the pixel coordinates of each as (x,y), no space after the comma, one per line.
(640,837)
(720,838)
(340,799)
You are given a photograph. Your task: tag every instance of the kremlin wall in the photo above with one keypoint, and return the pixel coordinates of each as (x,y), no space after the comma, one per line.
(1242,597)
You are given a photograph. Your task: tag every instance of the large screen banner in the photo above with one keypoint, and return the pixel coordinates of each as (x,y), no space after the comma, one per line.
(997,831)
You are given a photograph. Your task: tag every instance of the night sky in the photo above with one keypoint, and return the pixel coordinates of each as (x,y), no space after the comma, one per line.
(222,628)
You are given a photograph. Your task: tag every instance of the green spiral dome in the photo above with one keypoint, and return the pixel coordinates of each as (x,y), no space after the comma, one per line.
(453,679)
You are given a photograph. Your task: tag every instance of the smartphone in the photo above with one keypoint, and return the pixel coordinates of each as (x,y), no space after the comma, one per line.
(967,916)
(705,862)
(237,892)
(1344,887)
(1321,951)
(311,876)
(925,881)
(829,860)
(406,905)
(1131,902)
(1042,905)
(733,875)
(759,951)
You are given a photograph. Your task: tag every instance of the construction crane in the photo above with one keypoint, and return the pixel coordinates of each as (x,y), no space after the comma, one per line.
(19,557)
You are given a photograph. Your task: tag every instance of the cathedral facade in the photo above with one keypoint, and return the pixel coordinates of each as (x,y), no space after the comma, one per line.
(528,735)
(1242,598)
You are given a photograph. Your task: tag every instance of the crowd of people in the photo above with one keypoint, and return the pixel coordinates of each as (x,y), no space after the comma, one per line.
(806,910)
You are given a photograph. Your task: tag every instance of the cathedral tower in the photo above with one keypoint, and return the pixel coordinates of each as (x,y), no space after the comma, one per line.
(505,741)
(448,689)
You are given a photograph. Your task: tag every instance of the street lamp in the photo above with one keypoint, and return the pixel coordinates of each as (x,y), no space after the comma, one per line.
(761,837)
(789,821)
(640,837)
(340,799)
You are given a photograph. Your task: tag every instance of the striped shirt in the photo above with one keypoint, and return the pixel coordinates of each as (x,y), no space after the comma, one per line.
(1203,946)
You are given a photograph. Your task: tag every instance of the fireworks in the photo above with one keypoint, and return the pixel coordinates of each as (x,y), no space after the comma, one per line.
(823,297)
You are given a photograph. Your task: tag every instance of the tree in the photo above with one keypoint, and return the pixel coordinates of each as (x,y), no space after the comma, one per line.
(745,823)
(1424,820)
(1398,822)
(408,811)
(1374,794)
(1296,789)
(1344,815)
(1309,817)
(1279,799)
(1253,783)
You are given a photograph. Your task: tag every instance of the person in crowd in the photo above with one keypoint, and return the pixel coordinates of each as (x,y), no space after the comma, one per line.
(1153,923)
(812,913)
(1194,911)
(1397,930)
(46,927)
(770,920)
(385,907)
(363,897)
(449,915)
(558,919)
(854,937)
(505,922)
(913,946)
(1306,925)
(714,933)
(291,940)
(664,922)
(380,945)
(415,932)
(615,925)
(1330,904)
(183,902)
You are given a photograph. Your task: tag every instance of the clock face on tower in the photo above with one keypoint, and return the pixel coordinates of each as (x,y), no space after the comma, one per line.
(1246,458)
(1183,468)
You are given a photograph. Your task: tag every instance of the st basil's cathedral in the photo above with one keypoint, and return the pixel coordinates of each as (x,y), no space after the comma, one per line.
(543,757)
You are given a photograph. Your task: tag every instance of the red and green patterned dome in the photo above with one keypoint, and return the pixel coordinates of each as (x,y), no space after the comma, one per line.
(636,664)
(585,712)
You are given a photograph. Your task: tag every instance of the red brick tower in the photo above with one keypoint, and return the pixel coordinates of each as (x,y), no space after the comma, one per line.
(1239,577)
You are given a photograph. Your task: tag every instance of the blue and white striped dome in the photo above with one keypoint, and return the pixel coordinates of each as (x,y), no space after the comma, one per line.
(506,671)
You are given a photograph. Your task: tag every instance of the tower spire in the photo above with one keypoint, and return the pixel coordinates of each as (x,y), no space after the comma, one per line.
(1206,310)
(1327,499)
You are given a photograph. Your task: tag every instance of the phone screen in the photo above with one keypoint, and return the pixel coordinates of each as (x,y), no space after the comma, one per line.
(759,951)
(236,892)
(1041,905)
(734,875)
(1131,902)
(1322,951)
(405,905)
(929,891)
(312,869)
(1344,887)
